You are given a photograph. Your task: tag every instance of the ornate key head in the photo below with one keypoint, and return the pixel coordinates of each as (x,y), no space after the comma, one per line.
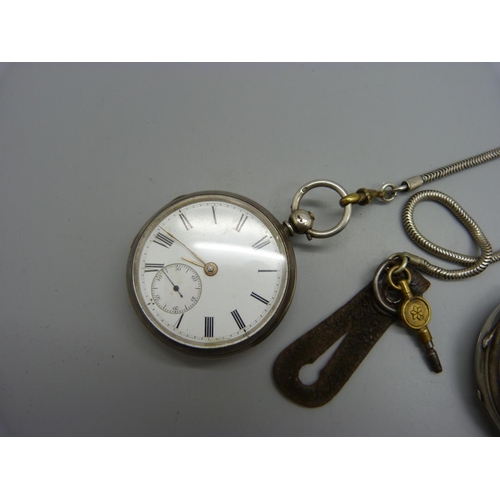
(415,313)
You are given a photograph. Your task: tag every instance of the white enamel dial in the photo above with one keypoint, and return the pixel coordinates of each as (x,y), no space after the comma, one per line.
(212,273)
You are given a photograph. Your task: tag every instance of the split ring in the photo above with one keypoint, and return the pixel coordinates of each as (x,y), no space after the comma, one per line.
(390,306)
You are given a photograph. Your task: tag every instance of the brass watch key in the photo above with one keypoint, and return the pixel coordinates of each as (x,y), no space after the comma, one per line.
(415,313)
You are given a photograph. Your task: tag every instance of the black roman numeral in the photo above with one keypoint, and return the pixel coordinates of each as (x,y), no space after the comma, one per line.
(214,216)
(163,240)
(185,221)
(261,243)
(241,222)
(153,268)
(236,316)
(179,322)
(267,271)
(209,326)
(258,297)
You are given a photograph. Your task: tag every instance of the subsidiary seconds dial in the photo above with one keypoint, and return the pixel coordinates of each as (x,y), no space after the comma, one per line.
(176,288)
(212,273)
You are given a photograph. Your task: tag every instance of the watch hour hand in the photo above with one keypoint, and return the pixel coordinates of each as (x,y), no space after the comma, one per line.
(193,262)
(210,268)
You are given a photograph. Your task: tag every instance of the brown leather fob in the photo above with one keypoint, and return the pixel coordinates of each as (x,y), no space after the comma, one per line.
(362,320)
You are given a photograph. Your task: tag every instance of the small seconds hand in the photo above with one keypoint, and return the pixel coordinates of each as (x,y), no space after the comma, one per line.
(176,288)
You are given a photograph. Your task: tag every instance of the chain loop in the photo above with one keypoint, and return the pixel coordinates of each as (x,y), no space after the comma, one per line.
(473,265)
(389,191)
(405,259)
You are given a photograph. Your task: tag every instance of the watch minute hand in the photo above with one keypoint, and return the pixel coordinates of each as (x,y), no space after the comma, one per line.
(187,248)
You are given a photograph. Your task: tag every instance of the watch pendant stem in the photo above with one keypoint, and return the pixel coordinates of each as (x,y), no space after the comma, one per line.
(300,221)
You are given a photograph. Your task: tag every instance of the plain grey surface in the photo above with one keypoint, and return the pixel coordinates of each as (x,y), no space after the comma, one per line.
(88,152)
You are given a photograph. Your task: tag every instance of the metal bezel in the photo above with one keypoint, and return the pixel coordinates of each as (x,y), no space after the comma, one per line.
(487,366)
(290,275)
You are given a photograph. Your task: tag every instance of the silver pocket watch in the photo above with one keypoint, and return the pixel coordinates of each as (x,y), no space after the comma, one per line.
(213,273)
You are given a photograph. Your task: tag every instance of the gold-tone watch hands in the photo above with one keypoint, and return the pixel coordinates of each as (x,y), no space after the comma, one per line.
(187,248)
(210,268)
(192,262)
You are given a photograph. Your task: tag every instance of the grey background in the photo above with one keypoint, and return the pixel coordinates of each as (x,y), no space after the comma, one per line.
(88,152)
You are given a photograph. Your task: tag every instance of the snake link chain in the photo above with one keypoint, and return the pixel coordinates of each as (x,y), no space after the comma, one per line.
(460,165)
(473,265)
